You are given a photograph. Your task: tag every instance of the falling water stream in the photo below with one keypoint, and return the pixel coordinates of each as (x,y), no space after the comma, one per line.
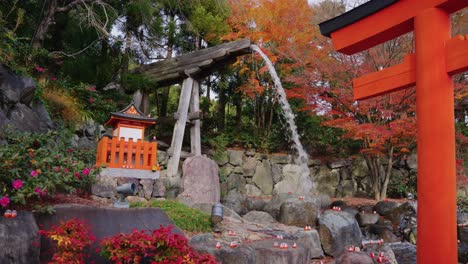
(306,184)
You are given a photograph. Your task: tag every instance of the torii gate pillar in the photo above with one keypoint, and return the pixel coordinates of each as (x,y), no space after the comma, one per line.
(437,58)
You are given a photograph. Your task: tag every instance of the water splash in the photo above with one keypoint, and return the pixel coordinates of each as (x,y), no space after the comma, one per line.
(306,185)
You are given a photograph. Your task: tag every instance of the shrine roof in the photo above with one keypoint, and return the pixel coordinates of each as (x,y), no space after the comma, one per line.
(131,112)
(353,15)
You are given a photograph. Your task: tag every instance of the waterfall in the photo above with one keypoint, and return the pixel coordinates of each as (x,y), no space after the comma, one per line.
(306,185)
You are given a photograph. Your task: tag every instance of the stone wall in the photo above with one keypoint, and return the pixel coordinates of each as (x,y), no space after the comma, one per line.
(256,174)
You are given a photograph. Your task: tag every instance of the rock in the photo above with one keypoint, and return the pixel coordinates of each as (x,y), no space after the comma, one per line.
(252,190)
(238,170)
(279,158)
(463,252)
(262,177)
(273,206)
(384,207)
(277,173)
(314,162)
(259,217)
(338,164)
(255,204)
(397,215)
(159,188)
(236,181)
(463,234)
(298,212)
(412,161)
(86,143)
(327,180)
(105,186)
(162,158)
(104,222)
(360,168)
(14,88)
(266,253)
(405,253)
(354,258)
(249,166)
(45,122)
(236,201)
(350,210)
(250,153)
(384,232)
(243,254)
(365,219)
(222,159)
(338,230)
(200,180)
(385,249)
(19,239)
(147,188)
(235,157)
(311,240)
(346,188)
(294,181)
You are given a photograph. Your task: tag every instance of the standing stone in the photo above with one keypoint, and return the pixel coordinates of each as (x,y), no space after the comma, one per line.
(327,180)
(311,240)
(200,180)
(360,168)
(346,188)
(262,177)
(338,230)
(19,239)
(298,212)
(235,157)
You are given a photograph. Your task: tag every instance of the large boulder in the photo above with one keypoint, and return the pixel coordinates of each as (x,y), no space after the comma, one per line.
(405,253)
(259,217)
(274,205)
(295,181)
(384,207)
(236,181)
(265,253)
(327,180)
(262,177)
(200,180)
(19,239)
(354,258)
(249,166)
(338,230)
(237,201)
(298,212)
(365,219)
(252,190)
(17,107)
(402,213)
(311,240)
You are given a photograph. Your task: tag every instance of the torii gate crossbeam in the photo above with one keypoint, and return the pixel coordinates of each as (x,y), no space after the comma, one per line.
(436,59)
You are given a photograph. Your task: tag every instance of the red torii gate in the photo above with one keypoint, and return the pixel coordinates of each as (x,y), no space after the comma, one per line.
(437,58)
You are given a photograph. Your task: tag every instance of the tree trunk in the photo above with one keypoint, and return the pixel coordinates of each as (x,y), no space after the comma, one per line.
(387,174)
(221,106)
(238,104)
(126,56)
(46,22)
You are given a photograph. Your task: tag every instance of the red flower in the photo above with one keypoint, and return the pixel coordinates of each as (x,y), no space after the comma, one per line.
(39,69)
(77,175)
(17,184)
(92,88)
(53,78)
(4,201)
(91,100)
(85,171)
(34,173)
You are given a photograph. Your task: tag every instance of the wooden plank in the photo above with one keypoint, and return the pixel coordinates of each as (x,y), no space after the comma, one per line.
(385,81)
(121,143)
(130,153)
(456,59)
(179,128)
(388,23)
(138,160)
(195,140)
(112,161)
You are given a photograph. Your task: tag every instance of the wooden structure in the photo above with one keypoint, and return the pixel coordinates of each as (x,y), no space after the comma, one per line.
(437,58)
(189,68)
(126,148)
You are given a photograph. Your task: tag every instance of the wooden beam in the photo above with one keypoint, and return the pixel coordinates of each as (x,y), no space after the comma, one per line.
(389,23)
(179,128)
(388,80)
(456,59)
(195,139)
(195,64)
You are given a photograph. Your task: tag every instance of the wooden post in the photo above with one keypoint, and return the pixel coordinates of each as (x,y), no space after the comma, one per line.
(437,233)
(195,141)
(179,128)
(138,161)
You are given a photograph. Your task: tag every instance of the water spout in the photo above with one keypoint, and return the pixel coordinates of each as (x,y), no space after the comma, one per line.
(306,186)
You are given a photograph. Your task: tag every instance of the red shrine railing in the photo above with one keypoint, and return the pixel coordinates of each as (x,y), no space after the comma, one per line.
(119,153)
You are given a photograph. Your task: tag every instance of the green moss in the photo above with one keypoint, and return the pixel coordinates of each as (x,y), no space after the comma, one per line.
(186,218)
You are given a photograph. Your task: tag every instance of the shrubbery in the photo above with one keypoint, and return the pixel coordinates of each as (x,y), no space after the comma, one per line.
(37,165)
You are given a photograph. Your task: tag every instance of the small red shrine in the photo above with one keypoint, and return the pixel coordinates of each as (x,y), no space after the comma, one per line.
(127,149)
